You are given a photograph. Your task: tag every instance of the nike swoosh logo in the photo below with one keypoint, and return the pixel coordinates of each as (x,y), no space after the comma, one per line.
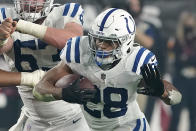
(74,121)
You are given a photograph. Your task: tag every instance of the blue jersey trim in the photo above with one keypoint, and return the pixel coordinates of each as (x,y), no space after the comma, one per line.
(137,127)
(77,50)
(137,59)
(3,13)
(144,124)
(26,44)
(150,54)
(76,7)
(105,18)
(68,53)
(66,10)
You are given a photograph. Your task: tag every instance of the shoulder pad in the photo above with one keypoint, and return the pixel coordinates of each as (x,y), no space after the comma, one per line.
(139,57)
(70,12)
(74,11)
(75,50)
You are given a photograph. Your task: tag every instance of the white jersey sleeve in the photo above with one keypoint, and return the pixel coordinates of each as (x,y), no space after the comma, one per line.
(70,12)
(6,13)
(141,56)
(2,14)
(73,12)
(76,50)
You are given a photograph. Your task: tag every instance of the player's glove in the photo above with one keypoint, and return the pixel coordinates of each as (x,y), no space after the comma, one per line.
(75,94)
(43,97)
(153,83)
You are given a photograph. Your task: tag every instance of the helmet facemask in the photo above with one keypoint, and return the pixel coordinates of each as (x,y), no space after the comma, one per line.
(30,10)
(105,59)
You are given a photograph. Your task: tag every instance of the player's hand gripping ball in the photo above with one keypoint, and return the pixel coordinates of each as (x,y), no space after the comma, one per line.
(76,89)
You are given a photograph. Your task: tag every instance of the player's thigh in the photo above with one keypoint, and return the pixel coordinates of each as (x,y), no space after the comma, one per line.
(34,126)
(78,123)
(137,125)
(81,125)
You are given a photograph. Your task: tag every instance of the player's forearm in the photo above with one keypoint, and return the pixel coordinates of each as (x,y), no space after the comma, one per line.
(45,90)
(7,46)
(52,36)
(59,37)
(171,95)
(56,73)
(9,78)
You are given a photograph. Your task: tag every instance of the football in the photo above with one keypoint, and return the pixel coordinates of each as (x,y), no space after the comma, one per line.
(69,79)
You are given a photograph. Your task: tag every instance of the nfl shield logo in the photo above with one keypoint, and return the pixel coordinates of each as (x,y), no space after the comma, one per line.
(103,76)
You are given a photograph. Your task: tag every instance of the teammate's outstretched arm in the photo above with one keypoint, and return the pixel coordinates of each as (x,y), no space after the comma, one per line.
(52,36)
(8,78)
(58,37)
(72,27)
(153,85)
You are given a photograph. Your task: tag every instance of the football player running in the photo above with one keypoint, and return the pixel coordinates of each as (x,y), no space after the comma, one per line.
(31,36)
(118,68)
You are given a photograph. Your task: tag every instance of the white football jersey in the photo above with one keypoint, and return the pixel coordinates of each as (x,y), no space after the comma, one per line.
(116,101)
(29,54)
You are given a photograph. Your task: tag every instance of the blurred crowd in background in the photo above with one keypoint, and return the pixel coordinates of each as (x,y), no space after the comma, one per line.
(168,29)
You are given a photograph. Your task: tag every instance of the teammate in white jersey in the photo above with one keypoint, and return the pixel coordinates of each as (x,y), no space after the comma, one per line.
(118,68)
(35,42)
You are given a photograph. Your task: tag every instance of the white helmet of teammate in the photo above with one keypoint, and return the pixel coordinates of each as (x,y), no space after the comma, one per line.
(32,10)
(115,26)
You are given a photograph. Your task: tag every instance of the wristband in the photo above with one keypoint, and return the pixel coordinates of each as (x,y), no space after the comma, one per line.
(31,79)
(31,28)
(3,42)
(26,79)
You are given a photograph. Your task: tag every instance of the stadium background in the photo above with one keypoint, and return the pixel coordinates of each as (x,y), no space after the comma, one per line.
(170,11)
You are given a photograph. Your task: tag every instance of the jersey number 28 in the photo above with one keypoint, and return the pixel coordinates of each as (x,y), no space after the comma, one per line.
(109,104)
